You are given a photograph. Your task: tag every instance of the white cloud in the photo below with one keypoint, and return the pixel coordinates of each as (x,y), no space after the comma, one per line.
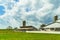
(46,7)
(57,11)
(13,22)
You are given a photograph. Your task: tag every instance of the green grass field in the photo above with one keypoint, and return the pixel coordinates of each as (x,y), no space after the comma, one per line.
(11,35)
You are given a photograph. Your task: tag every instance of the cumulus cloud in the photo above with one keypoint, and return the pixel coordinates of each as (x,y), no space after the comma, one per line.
(57,11)
(33,11)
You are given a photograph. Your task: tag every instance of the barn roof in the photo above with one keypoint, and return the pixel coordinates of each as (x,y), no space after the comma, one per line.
(54,25)
(28,27)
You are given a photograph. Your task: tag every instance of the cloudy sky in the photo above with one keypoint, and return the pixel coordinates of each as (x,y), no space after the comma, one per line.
(35,12)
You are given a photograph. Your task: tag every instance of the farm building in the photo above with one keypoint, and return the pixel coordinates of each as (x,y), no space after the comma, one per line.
(55,26)
(27,28)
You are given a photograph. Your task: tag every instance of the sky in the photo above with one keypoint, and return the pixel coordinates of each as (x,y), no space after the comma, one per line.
(34,12)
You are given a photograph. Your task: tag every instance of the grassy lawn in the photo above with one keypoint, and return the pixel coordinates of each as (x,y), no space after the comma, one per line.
(11,35)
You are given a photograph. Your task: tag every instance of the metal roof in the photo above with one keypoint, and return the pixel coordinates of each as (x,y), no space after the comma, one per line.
(54,25)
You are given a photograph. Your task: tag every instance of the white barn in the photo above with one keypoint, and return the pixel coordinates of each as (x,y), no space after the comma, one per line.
(55,26)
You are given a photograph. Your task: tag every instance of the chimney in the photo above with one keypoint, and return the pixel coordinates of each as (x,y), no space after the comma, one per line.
(24,23)
(55,18)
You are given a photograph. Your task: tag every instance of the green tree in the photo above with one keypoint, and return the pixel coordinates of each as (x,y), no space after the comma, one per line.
(9,27)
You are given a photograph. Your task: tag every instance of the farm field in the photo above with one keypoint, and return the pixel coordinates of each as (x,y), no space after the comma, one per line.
(11,35)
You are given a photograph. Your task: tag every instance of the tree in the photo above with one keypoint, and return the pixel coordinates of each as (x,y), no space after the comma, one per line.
(15,28)
(43,25)
(9,27)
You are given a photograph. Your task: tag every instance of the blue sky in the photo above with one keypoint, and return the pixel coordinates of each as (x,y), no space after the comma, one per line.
(2,11)
(35,12)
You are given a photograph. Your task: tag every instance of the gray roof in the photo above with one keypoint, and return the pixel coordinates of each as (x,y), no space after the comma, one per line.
(54,25)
